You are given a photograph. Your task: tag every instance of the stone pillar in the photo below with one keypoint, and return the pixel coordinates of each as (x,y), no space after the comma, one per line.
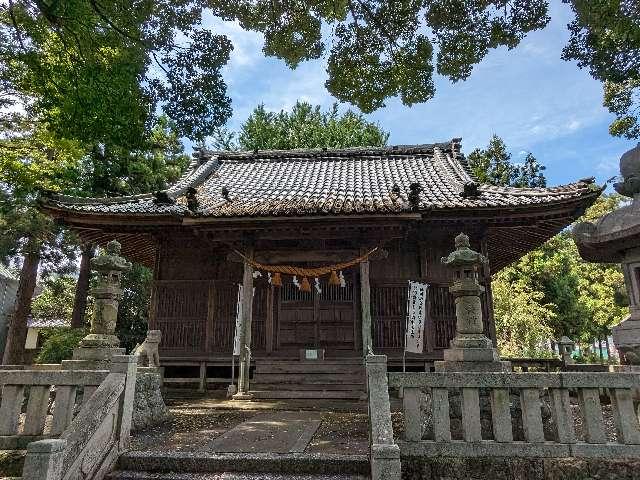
(44,460)
(245,334)
(97,348)
(565,348)
(365,308)
(470,349)
(626,335)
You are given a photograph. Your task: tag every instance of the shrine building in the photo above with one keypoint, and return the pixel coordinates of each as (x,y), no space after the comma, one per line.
(362,221)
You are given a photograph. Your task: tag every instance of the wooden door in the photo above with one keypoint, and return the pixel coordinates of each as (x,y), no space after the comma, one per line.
(336,314)
(308,319)
(296,318)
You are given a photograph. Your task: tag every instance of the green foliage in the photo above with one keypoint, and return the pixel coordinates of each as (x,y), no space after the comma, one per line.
(95,71)
(623,100)
(605,38)
(56,299)
(523,320)
(99,71)
(112,171)
(59,343)
(133,313)
(493,166)
(305,126)
(581,295)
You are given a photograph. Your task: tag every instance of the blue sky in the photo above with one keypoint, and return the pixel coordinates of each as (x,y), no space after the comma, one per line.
(530,97)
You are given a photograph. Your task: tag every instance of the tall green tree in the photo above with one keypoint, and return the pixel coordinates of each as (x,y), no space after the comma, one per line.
(305,126)
(32,160)
(493,165)
(96,71)
(117,61)
(582,296)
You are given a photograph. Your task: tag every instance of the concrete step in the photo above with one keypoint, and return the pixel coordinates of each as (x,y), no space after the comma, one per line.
(308,378)
(320,394)
(254,463)
(131,475)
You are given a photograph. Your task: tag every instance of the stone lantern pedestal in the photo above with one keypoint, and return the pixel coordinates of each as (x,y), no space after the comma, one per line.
(471,349)
(97,348)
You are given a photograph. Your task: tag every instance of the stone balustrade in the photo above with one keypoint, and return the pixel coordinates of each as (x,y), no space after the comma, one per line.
(91,444)
(556,389)
(52,397)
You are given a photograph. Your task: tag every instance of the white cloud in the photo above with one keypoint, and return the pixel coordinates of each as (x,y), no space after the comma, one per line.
(247,45)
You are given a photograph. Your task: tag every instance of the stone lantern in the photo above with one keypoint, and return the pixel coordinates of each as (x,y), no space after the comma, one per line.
(97,348)
(470,349)
(566,346)
(615,238)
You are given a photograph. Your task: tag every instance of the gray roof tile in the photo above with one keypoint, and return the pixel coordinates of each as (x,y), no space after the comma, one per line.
(347,181)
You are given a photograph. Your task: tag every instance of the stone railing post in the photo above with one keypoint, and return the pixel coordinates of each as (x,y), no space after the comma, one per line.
(385,454)
(44,460)
(126,364)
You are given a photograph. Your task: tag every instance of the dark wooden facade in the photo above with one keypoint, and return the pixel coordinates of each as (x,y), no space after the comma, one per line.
(196,285)
(313,208)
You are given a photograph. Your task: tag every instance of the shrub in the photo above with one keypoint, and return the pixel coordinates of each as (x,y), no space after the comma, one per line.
(59,343)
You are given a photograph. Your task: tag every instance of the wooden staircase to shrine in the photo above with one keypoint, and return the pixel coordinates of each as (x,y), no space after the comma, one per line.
(321,379)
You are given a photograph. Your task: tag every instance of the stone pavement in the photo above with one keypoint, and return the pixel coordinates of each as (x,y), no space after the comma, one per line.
(269,432)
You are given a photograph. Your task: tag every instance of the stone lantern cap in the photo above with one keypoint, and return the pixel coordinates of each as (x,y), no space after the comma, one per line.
(463,255)
(111,259)
(630,171)
(566,341)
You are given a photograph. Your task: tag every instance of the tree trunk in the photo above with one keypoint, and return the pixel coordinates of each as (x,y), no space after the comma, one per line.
(82,288)
(17,336)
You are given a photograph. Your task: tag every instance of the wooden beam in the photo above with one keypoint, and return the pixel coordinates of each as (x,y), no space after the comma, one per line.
(365,307)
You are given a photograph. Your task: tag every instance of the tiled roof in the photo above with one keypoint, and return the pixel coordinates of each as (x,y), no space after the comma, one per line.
(332,182)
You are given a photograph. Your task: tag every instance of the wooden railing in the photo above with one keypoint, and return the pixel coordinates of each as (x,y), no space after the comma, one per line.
(532,388)
(43,388)
(90,445)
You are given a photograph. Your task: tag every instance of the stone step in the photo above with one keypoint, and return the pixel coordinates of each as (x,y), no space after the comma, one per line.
(319,394)
(209,463)
(308,378)
(132,475)
(309,368)
(320,386)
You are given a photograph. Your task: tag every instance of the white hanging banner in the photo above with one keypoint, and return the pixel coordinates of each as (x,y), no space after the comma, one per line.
(416,314)
(236,335)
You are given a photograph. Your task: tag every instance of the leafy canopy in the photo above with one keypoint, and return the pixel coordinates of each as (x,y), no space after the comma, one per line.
(100,70)
(583,297)
(493,165)
(305,126)
(95,71)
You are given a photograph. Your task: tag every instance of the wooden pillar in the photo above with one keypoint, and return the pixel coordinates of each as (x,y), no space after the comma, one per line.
(245,333)
(82,288)
(269,320)
(211,308)
(365,307)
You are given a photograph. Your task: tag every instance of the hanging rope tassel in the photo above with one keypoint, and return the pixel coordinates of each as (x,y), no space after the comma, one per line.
(276,280)
(304,285)
(333,279)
